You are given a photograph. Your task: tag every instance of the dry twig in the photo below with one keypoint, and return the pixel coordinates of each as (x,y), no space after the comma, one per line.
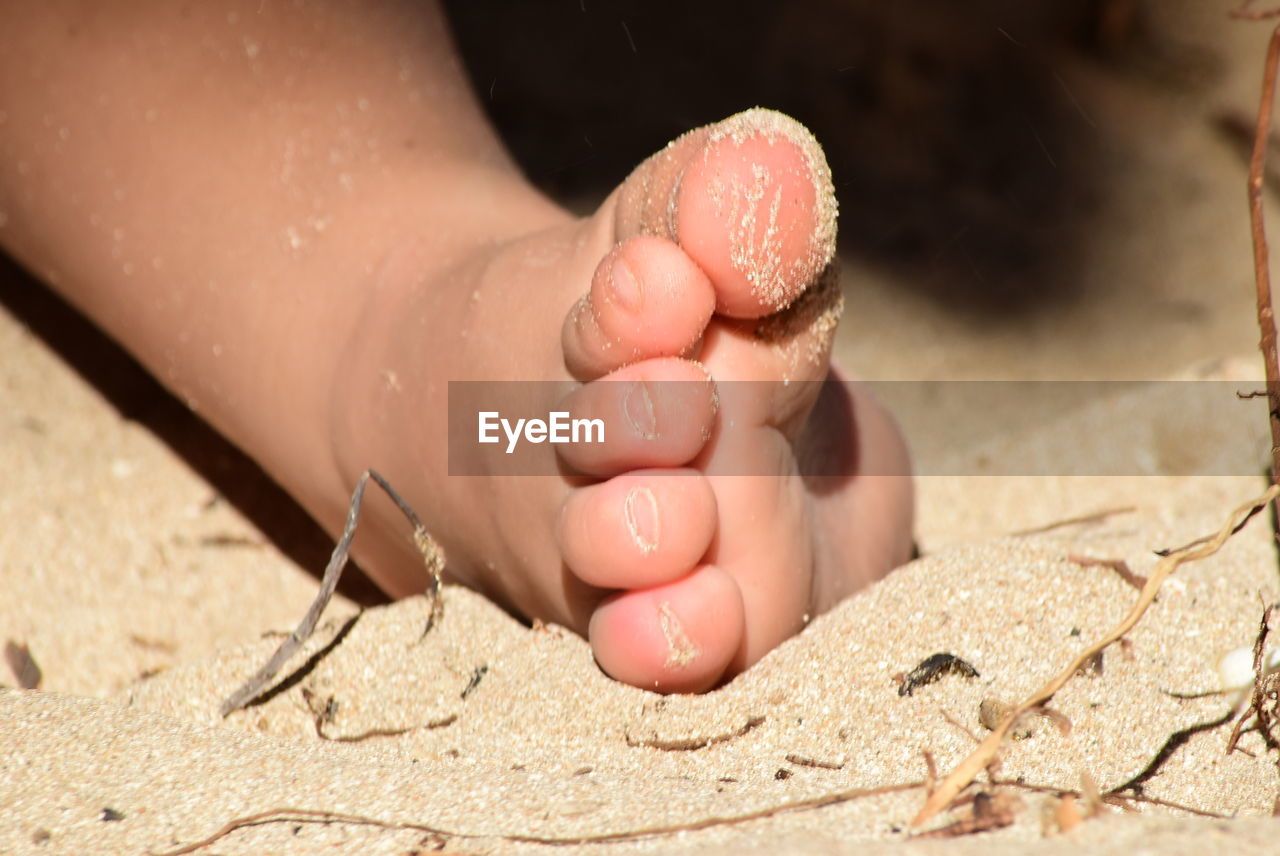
(806,761)
(1261,263)
(427,547)
(1095,517)
(1265,685)
(297,815)
(1171,745)
(304,815)
(1120,566)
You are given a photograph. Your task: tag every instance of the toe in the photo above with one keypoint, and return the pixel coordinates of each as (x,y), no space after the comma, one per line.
(750,199)
(656,413)
(769,371)
(638,530)
(675,638)
(647,299)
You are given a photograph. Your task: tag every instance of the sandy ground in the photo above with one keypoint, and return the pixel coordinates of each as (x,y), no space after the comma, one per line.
(148,569)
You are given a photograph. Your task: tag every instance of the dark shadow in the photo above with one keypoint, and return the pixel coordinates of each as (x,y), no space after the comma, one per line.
(960,159)
(298,675)
(830,444)
(1175,742)
(139,398)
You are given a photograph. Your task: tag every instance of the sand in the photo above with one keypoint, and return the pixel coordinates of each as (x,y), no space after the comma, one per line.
(499,736)
(145,596)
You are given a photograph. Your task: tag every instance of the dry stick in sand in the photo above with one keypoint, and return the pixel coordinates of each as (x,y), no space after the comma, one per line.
(1261,264)
(280,815)
(970,767)
(307,815)
(427,546)
(1261,691)
(1096,517)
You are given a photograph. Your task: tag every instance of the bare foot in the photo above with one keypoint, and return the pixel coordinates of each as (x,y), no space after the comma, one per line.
(680,570)
(297,217)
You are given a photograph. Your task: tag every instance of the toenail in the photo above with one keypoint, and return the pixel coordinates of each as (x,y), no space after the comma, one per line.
(626,288)
(640,510)
(639,409)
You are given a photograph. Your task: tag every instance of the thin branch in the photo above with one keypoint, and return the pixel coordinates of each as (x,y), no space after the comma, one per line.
(426,545)
(1096,517)
(305,815)
(1120,566)
(1175,742)
(1261,261)
(1257,706)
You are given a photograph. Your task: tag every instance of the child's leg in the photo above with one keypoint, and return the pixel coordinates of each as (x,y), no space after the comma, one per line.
(299,220)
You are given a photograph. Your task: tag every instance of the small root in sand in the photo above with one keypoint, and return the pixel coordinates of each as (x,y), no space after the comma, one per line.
(1263,709)
(304,815)
(691,744)
(805,761)
(1175,742)
(325,712)
(957,725)
(1120,566)
(301,815)
(1083,519)
(931,771)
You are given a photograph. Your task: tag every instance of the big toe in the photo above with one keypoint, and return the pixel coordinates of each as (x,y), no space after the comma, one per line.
(750,199)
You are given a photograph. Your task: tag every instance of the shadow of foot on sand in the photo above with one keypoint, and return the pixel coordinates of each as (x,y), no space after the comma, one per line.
(138,397)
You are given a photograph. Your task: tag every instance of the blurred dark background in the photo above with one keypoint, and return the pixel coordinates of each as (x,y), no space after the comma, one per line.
(940,119)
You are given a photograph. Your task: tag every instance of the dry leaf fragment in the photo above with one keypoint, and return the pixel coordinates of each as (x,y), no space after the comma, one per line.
(1066,813)
(1093,805)
(22,664)
(806,761)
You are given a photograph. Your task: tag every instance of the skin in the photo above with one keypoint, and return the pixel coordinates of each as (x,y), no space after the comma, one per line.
(299,220)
